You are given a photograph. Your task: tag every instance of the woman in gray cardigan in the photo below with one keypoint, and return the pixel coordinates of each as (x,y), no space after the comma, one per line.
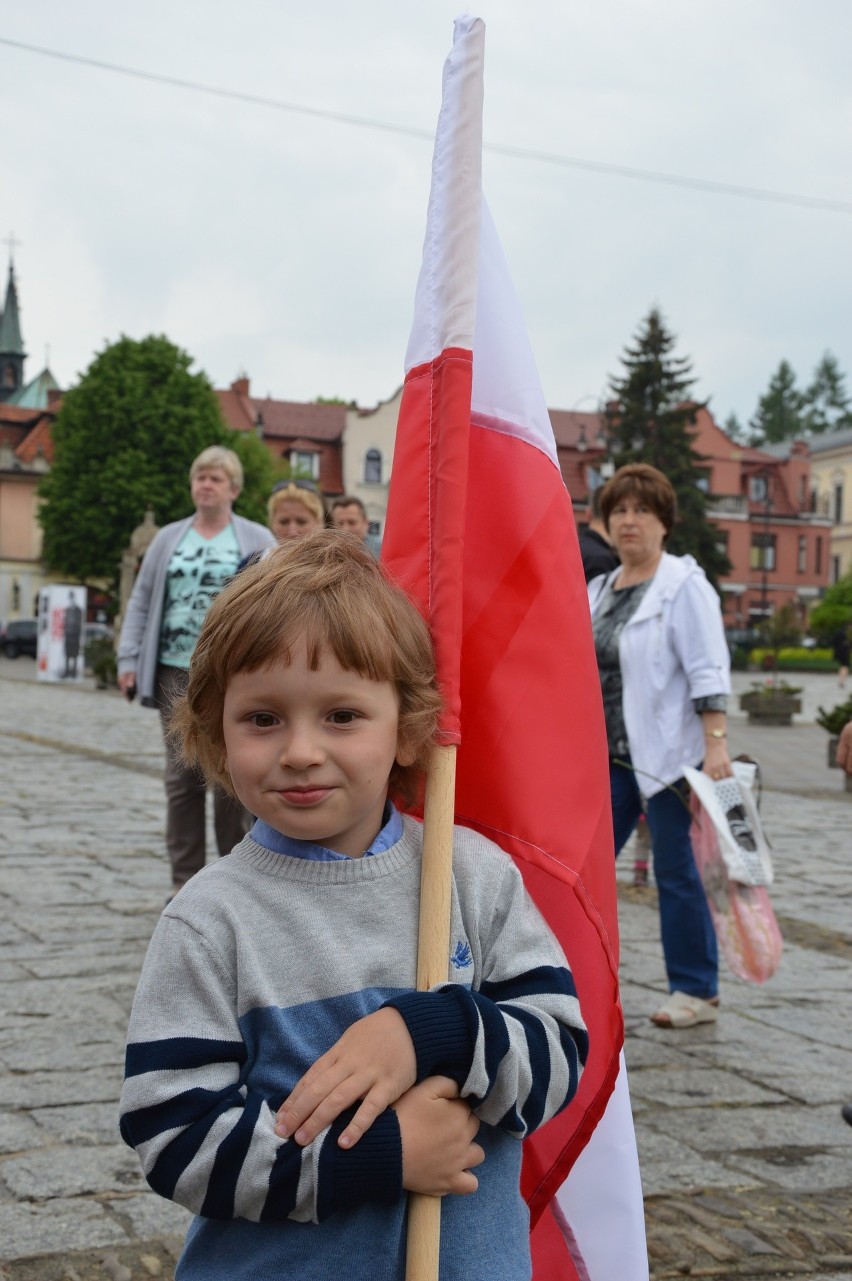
(184,569)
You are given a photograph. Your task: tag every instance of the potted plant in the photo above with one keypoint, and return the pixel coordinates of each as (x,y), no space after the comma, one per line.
(772,703)
(833,722)
(775,701)
(101,661)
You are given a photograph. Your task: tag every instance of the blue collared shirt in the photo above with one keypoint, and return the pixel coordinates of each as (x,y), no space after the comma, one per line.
(271,839)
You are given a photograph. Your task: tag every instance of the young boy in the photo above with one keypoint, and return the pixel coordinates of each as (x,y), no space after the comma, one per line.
(284,1079)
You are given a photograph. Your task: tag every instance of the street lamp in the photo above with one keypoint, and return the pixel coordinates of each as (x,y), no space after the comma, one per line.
(764,584)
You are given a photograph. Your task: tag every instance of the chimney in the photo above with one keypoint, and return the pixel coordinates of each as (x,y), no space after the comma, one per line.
(241,385)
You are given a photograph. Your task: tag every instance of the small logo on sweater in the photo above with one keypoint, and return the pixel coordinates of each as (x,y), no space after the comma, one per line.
(461,958)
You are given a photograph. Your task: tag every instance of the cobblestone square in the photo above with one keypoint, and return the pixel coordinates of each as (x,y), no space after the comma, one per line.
(746,1162)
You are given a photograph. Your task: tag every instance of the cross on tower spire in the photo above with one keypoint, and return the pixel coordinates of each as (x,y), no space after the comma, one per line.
(12,241)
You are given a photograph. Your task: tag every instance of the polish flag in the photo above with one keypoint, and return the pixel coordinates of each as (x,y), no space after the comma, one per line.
(480,532)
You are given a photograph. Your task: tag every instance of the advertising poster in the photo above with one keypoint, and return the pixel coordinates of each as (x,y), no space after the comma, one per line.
(61,633)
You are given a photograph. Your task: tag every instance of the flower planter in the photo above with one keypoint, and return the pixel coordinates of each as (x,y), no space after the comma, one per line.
(832,761)
(770,706)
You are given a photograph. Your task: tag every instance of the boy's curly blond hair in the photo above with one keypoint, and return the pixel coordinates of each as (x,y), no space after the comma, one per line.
(328,590)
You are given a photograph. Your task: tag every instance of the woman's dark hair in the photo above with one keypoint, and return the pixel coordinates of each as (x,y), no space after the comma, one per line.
(645,483)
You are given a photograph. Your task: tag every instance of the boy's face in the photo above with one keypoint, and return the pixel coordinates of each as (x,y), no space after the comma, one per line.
(310,752)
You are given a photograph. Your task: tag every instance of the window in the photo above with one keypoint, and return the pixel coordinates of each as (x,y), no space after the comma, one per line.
(818,556)
(373,467)
(803,554)
(304,463)
(758,489)
(702,480)
(835,569)
(762,551)
(10,376)
(721,538)
(837,504)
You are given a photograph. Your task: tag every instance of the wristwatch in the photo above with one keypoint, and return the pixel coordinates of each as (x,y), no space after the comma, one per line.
(715,733)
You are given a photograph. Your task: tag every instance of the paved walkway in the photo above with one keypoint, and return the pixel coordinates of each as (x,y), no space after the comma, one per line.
(747,1165)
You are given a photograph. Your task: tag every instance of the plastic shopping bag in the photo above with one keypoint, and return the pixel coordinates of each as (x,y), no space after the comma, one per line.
(733,859)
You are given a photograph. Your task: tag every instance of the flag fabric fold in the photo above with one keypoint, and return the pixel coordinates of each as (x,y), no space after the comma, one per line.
(480,532)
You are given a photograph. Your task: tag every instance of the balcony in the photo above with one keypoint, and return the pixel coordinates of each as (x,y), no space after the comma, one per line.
(720,505)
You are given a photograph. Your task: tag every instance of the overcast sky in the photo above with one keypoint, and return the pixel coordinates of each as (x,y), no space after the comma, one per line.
(286,245)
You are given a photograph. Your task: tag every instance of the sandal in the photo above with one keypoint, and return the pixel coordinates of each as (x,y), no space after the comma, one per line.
(683,1010)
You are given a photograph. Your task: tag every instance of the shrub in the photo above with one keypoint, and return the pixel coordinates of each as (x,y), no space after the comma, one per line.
(101,660)
(834,720)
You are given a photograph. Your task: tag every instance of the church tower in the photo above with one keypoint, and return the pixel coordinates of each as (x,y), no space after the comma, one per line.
(12,354)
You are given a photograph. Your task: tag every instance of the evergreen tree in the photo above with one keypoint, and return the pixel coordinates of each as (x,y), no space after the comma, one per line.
(734,428)
(780,410)
(827,406)
(652,420)
(124,440)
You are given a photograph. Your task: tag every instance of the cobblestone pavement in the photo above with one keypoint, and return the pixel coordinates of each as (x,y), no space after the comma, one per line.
(747,1165)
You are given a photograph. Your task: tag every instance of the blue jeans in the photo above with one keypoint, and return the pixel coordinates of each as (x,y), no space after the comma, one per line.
(689,940)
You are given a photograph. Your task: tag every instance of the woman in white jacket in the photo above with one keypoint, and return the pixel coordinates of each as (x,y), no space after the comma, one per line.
(665,674)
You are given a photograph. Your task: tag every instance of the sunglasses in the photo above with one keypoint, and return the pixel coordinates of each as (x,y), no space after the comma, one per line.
(299,484)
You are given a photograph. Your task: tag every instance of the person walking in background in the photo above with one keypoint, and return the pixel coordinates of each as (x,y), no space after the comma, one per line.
(596,550)
(665,674)
(349,513)
(295,508)
(184,569)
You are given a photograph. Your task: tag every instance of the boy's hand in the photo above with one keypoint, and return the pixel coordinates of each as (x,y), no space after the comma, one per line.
(373,1061)
(438,1129)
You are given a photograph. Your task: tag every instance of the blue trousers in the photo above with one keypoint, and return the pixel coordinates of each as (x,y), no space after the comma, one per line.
(688,937)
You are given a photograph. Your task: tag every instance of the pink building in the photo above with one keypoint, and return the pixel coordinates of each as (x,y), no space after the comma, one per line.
(760,500)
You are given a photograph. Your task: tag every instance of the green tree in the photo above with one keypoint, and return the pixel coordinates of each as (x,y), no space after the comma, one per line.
(827,406)
(734,428)
(124,440)
(261,471)
(834,612)
(780,410)
(652,420)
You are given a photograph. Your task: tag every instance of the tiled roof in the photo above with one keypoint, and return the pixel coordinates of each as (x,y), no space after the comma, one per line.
(830,440)
(282,419)
(569,423)
(288,418)
(38,442)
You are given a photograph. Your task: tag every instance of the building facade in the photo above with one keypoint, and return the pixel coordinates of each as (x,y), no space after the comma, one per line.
(368,443)
(831,488)
(309,437)
(759,500)
(27,413)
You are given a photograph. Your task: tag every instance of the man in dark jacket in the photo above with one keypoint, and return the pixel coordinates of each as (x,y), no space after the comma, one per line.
(596,551)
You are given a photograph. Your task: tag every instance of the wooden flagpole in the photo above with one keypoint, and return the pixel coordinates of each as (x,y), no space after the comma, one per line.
(433,950)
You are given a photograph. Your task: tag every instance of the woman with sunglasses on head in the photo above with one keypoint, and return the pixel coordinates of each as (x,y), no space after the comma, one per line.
(665,674)
(295,508)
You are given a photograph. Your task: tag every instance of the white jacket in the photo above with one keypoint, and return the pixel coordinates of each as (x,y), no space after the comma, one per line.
(672,651)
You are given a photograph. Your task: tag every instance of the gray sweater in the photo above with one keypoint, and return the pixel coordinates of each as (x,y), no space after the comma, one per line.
(255,969)
(140,631)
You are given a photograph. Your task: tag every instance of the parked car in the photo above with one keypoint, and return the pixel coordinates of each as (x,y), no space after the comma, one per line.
(19,637)
(742,637)
(98,630)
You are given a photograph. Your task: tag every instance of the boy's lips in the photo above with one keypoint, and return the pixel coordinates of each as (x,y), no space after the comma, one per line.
(304,795)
